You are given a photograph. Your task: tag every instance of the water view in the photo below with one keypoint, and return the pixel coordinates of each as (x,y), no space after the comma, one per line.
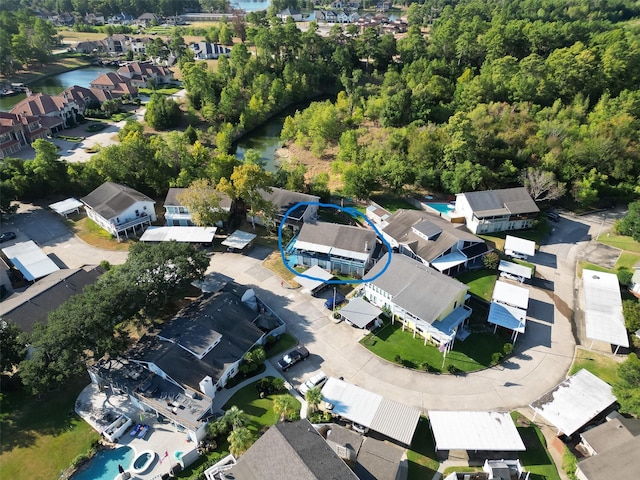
(252,5)
(265,139)
(57,83)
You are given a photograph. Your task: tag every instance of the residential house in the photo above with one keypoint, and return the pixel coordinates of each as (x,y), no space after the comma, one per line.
(496,210)
(118,43)
(119,209)
(91,46)
(139,45)
(421,298)
(147,19)
(283,200)
(287,450)
(121,19)
(63,19)
(47,294)
(613,447)
(19,130)
(116,84)
(140,74)
(177,373)
(336,16)
(383,6)
(634,286)
(343,248)
(88,97)
(207,51)
(94,19)
(178,215)
(290,13)
(41,105)
(432,240)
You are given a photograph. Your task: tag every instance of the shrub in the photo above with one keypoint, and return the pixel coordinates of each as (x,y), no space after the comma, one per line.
(452,369)
(624,277)
(507,348)
(569,463)
(491,260)
(495,358)
(320,417)
(397,359)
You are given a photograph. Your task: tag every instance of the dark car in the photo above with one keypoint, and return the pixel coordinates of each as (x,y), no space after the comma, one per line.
(6,236)
(553,216)
(293,357)
(334,300)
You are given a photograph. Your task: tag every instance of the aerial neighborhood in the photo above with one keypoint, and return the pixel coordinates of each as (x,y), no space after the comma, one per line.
(319,240)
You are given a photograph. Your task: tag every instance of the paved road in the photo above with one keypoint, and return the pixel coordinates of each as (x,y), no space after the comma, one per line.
(543,355)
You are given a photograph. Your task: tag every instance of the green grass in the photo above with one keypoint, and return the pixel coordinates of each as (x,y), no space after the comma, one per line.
(620,241)
(627,260)
(392,203)
(423,463)
(471,355)
(159,91)
(600,365)
(259,410)
(118,117)
(480,282)
(40,438)
(536,459)
(285,342)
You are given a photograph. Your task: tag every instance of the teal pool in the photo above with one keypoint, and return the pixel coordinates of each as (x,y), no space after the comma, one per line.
(445,208)
(104,465)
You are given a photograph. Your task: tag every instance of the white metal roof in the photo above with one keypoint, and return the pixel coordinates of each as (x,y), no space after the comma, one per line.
(179,234)
(515,269)
(489,431)
(508,317)
(369,409)
(509,294)
(238,239)
(520,245)
(360,312)
(603,315)
(30,259)
(309,284)
(575,401)
(67,206)
(447,261)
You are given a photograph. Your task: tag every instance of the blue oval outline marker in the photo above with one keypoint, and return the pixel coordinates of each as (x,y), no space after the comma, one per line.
(354,213)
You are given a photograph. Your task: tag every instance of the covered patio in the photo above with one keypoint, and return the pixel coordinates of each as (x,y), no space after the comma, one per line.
(360,313)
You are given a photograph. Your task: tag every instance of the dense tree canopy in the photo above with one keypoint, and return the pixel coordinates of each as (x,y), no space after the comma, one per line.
(627,389)
(24,40)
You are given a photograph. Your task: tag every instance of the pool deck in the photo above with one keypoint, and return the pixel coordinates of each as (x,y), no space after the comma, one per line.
(162,437)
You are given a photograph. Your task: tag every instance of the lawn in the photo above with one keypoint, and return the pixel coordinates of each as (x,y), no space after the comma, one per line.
(159,91)
(480,282)
(392,203)
(259,410)
(274,263)
(423,463)
(390,342)
(285,342)
(40,438)
(94,235)
(61,63)
(600,365)
(620,241)
(536,459)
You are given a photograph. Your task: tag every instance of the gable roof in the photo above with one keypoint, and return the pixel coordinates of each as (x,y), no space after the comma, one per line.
(401,228)
(171,200)
(337,239)
(283,200)
(415,287)
(612,434)
(110,78)
(620,462)
(111,199)
(38,104)
(36,302)
(501,202)
(291,451)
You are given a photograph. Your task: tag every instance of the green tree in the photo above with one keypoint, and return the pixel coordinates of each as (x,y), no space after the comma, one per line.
(240,439)
(631,311)
(162,112)
(203,201)
(630,224)
(627,388)
(286,406)
(235,418)
(491,260)
(248,182)
(12,345)
(313,398)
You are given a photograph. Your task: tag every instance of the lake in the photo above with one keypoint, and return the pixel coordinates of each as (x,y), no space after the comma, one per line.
(57,83)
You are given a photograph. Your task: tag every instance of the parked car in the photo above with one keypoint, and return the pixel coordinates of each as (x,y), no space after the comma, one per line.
(361,429)
(318,380)
(339,299)
(6,236)
(553,216)
(293,357)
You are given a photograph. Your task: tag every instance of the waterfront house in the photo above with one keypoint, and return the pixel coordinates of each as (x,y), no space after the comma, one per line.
(177,214)
(140,74)
(208,51)
(282,200)
(116,84)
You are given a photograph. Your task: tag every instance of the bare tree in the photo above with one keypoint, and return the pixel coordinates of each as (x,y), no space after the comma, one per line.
(541,184)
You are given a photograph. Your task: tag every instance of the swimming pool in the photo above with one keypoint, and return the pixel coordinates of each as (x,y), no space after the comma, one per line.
(445,208)
(104,465)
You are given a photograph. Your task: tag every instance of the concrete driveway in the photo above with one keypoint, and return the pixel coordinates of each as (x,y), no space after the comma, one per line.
(543,354)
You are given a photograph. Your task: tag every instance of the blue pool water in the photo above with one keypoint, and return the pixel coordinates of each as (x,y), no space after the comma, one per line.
(442,207)
(104,465)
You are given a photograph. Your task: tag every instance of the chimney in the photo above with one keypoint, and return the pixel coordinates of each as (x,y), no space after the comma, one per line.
(366,246)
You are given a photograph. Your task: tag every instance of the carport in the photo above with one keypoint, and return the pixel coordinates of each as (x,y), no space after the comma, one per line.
(512,318)
(31,260)
(238,241)
(574,402)
(509,294)
(360,313)
(179,234)
(603,315)
(519,246)
(520,272)
(388,417)
(66,207)
(313,285)
(475,431)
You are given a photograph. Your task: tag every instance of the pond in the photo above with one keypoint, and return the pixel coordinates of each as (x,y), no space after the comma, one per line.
(57,83)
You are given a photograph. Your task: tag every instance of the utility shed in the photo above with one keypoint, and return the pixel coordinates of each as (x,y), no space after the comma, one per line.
(313,285)
(30,259)
(66,207)
(603,315)
(475,431)
(519,245)
(388,417)
(179,234)
(574,402)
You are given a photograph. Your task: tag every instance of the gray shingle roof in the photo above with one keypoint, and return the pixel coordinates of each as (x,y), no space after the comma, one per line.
(621,462)
(416,287)
(513,201)
(111,199)
(291,451)
(284,199)
(400,229)
(344,237)
(171,200)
